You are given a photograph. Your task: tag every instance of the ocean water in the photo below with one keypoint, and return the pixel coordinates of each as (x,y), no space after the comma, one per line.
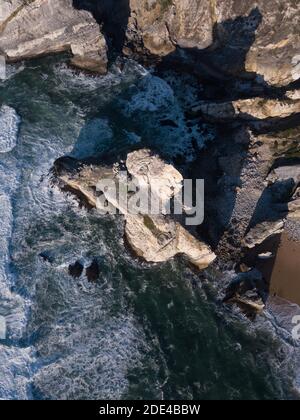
(142,331)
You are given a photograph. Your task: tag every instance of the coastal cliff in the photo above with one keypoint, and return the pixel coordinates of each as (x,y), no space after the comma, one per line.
(246,55)
(234,38)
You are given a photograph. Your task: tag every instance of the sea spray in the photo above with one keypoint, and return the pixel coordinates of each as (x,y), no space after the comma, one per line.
(9,126)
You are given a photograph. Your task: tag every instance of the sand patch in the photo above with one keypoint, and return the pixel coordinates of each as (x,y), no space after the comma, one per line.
(285,279)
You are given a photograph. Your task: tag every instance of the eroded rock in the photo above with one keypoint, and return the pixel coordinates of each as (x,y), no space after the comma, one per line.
(239,39)
(247,109)
(31,28)
(263,231)
(155,238)
(158,239)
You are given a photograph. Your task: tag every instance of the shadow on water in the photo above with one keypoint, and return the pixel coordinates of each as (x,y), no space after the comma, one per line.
(112,16)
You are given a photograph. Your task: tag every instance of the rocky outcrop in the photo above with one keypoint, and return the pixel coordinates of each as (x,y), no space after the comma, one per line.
(221,38)
(261,232)
(158,27)
(158,239)
(236,38)
(294,206)
(274,53)
(30,28)
(155,237)
(247,109)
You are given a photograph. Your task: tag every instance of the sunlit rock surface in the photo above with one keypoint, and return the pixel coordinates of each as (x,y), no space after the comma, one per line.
(39,27)
(154,237)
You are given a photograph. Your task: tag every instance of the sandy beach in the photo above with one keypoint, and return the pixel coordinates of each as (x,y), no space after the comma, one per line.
(285,279)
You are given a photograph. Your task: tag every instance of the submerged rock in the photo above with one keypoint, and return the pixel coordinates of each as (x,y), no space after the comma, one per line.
(76,269)
(93,272)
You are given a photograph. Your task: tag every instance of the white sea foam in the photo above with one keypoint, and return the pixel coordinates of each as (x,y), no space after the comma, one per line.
(97,365)
(11,70)
(15,372)
(70,78)
(9,126)
(154,93)
(167,100)
(95,137)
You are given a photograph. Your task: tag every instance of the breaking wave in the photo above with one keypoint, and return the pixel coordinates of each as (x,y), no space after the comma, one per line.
(9,123)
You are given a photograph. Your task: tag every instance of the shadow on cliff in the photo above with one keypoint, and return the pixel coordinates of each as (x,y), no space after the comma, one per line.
(221,69)
(112,16)
(224,60)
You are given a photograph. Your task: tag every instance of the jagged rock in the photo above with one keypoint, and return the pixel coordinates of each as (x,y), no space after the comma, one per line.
(247,109)
(284,173)
(31,28)
(274,53)
(162,25)
(294,209)
(156,238)
(150,170)
(263,231)
(237,38)
(293,94)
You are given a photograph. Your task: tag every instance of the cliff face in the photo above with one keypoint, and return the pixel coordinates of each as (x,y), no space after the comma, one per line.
(238,37)
(160,26)
(29,28)
(230,37)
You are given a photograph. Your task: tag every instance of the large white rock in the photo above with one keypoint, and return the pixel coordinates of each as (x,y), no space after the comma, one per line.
(154,237)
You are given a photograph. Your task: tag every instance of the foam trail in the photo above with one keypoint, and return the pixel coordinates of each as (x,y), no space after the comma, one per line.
(15,361)
(9,123)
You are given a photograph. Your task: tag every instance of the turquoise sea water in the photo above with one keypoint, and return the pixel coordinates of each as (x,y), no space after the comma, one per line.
(142,331)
